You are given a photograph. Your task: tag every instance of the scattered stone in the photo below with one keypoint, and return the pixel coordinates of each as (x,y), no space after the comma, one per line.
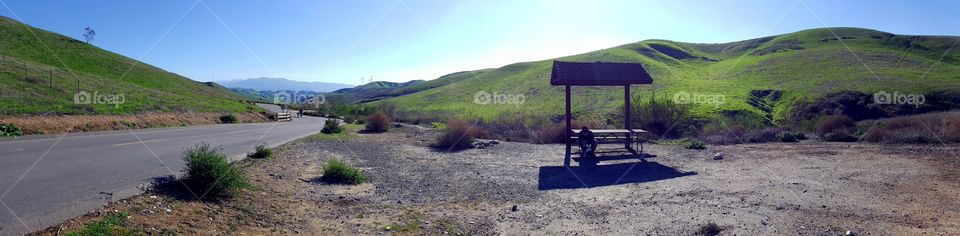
(718,156)
(514,208)
(850,233)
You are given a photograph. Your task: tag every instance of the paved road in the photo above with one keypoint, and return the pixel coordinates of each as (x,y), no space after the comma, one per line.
(48,179)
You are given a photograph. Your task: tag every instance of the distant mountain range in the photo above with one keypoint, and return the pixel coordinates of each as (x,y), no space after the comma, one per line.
(276,84)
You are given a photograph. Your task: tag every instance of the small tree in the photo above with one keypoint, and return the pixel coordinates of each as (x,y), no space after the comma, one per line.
(89,34)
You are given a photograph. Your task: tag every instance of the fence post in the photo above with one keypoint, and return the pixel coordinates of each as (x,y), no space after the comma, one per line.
(51,78)
(3,60)
(25,73)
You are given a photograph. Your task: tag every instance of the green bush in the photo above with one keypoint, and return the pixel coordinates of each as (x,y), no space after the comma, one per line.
(262,152)
(10,130)
(331,126)
(336,171)
(209,174)
(696,145)
(360,122)
(378,122)
(228,119)
(661,116)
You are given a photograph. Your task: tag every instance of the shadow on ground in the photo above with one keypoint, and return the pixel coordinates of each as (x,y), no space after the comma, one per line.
(560,177)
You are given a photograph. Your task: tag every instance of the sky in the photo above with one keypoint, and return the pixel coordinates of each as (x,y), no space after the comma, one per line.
(352,41)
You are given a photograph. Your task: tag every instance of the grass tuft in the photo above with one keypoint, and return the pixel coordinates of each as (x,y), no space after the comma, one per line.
(262,152)
(111,224)
(336,171)
(695,145)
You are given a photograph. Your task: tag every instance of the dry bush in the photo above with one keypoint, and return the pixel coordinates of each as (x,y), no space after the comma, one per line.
(86,123)
(953,130)
(924,128)
(378,122)
(762,135)
(458,135)
(836,128)
(716,135)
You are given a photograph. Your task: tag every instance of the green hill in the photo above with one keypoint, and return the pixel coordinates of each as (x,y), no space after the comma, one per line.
(795,67)
(379,90)
(40,70)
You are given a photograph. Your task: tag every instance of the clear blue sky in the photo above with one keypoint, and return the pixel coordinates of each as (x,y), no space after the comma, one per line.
(343,40)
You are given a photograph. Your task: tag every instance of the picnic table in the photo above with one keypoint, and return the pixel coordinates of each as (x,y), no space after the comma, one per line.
(631,138)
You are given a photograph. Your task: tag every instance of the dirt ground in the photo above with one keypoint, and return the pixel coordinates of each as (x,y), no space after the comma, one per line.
(809,188)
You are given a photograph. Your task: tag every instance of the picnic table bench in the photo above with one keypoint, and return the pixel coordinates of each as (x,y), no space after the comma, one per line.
(632,139)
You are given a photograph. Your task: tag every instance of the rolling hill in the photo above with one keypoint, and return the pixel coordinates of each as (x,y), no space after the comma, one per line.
(380,90)
(796,67)
(276,84)
(42,72)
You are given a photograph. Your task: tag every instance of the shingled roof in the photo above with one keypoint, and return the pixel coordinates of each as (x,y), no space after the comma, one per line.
(598,74)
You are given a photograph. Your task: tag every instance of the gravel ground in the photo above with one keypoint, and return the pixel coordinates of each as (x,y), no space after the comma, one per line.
(808,188)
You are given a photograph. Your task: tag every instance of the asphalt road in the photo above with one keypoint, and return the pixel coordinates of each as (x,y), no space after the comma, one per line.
(50,178)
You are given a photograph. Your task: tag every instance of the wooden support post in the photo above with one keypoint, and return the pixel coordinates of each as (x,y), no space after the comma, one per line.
(626,113)
(566,159)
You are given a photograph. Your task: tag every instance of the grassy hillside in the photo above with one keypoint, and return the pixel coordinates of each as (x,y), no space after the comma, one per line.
(798,67)
(40,70)
(379,90)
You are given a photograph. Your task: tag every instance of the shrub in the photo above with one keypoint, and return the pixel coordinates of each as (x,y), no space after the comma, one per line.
(262,152)
(360,122)
(716,135)
(10,130)
(458,135)
(789,136)
(331,126)
(696,145)
(378,122)
(836,128)
(209,173)
(349,120)
(336,171)
(953,130)
(761,135)
(924,128)
(661,116)
(228,119)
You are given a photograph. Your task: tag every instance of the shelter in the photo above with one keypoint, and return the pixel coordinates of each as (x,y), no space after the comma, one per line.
(569,74)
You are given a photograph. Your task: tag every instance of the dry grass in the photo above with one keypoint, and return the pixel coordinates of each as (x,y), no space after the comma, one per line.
(925,128)
(85,123)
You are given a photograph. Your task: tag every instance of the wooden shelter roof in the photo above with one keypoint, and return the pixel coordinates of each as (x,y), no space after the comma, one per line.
(598,74)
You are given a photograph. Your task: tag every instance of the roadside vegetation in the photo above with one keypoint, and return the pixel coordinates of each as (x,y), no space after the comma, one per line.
(10,130)
(209,174)
(262,152)
(30,125)
(331,126)
(228,119)
(114,223)
(457,135)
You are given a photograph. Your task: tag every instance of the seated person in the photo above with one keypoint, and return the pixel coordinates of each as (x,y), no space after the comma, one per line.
(587,142)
